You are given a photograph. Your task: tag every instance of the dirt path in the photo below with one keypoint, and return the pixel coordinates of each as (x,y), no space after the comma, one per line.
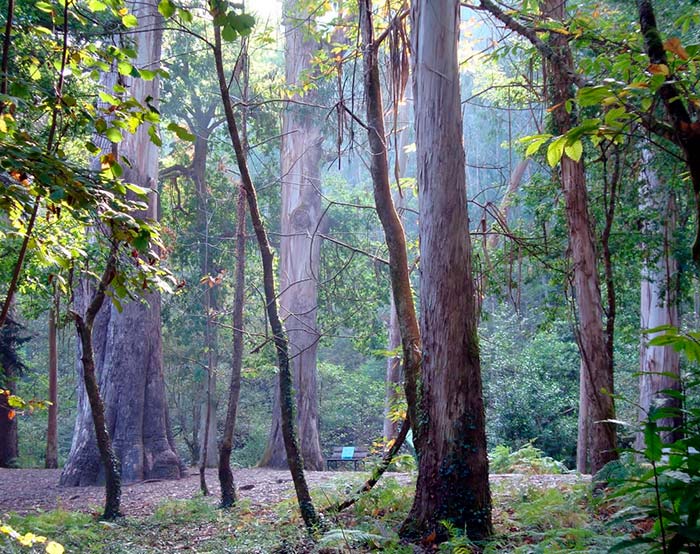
(29,490)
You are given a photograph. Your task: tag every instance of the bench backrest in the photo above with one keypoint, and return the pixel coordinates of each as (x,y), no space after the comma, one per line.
(349,453)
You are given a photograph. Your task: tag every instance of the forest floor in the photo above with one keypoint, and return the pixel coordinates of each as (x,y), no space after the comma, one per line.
(24,491)
(532,513)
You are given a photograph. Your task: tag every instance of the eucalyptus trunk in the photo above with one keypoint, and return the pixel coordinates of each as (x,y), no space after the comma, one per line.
(300,248)
(659,365)
(128,344)
(449,427)
(596,361)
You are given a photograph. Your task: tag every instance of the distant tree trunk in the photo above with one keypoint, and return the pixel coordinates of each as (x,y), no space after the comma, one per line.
(394,367)
(449,430)
(52,427)
(128,344)
(300,250)
(294,459)
(9,368)
(393,375)
(583,440)
(228,487)
(83,325)
(596,362)
(659,365)
(207,424)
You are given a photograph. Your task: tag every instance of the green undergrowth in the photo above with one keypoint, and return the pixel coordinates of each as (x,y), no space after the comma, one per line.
(531,515)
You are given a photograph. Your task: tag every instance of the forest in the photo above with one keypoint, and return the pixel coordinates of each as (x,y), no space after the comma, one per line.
(320,276)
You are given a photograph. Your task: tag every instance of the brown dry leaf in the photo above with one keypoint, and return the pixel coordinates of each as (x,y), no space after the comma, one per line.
(674,45)
(658,69)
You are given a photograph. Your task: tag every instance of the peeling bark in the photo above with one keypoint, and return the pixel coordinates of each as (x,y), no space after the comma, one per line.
(300,250)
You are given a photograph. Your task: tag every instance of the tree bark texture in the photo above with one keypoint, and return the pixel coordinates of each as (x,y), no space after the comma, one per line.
(228,487)
(294,459)
(596,362)
(659,366)
(453,481)
(128,344)
(207,423)
(300,249)
(52,426)
(109,461)
(9,368)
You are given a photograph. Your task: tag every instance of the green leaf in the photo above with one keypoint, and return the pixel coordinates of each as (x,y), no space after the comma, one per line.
(555,151)
(228,33)
(652,441)
(574,151)
(181,132)
(130,21)
(114,135)
(44,7)
(166,8)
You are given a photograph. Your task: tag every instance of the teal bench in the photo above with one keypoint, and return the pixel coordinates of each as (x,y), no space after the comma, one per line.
(347,454)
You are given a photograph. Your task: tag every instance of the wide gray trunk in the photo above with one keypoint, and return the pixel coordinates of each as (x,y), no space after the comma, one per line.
(128,344)
(450,434)
(299,247)
(659,366)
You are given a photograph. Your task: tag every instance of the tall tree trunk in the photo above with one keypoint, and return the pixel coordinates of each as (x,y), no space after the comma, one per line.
(597,364)
(450,434)
(300,252)
(294,459)
(9,367)
(583,439)
(207,423)
(128,344)
(659,365)
(52,427)
(228,488)
(394,367)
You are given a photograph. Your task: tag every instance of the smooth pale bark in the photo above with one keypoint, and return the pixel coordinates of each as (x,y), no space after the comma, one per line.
(659,366)
(294,459)
(597,363)
(449,429)
(52,426)
(128,344)
(300,252)
(583,439)
(208,427)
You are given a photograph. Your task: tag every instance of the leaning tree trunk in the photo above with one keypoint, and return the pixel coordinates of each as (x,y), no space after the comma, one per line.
(128,344)
(294,459)
(84,320)
(659,365)
(450,433)
(300,249)
(596,362)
